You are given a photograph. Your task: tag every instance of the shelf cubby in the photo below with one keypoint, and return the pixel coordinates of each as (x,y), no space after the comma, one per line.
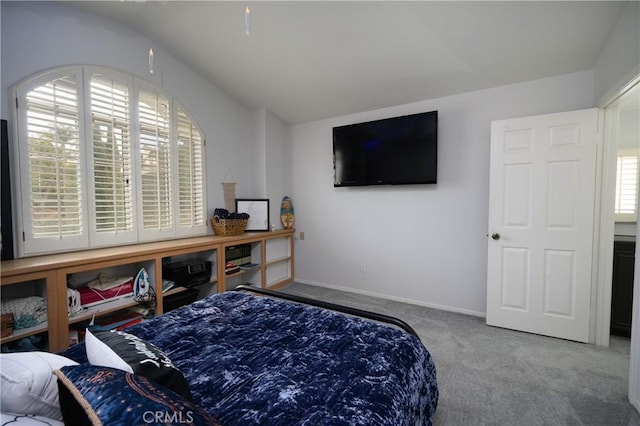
(271,251)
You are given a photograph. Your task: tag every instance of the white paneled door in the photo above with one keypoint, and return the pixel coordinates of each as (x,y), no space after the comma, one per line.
(541,219)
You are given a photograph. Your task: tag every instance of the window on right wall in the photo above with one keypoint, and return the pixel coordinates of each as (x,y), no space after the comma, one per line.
(626,204)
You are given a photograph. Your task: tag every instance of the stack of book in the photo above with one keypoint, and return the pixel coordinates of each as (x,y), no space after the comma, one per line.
(118,320)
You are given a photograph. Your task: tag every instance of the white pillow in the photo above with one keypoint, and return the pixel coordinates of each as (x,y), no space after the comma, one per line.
(28,385)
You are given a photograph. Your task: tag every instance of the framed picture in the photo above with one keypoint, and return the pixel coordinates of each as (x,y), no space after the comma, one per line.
(258,209)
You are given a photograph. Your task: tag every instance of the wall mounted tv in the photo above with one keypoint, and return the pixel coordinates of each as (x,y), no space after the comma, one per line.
(392,151)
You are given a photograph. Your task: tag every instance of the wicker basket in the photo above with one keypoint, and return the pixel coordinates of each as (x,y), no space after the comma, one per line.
(6,326)
(227,227)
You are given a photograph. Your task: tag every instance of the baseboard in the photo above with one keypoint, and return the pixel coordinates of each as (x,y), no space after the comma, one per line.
(394,298)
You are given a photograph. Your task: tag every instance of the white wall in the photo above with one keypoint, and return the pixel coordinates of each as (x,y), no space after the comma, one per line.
(619,60)
(278,164)
(271,167)
(425,243)
(37,36)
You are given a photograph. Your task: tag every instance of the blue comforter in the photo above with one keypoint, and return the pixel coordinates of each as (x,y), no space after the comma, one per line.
(258,361)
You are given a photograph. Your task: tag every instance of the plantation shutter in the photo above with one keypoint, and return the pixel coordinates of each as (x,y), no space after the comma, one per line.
(155,163)
(112,168)
(51,163)
(191,199)
(626,186)
(102,159)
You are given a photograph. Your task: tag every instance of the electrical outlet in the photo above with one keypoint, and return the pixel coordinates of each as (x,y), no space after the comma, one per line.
(363,267)
(302,235)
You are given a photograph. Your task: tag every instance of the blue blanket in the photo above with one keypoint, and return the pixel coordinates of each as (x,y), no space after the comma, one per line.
(256,361)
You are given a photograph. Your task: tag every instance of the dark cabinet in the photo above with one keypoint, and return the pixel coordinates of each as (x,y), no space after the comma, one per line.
(624,253)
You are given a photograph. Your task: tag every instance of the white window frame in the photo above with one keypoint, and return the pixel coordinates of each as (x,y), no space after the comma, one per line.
(193,229)
(96,238)
(165,232)
(630,216)
(29,244)
(89,237)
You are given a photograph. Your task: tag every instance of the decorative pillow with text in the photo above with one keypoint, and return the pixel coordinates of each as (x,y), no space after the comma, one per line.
(91,395)
(129,353)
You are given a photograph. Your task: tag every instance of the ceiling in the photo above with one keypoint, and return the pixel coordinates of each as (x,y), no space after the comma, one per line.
(306,60)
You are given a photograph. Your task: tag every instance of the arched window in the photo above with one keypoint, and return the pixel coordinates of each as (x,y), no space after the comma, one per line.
(104,158)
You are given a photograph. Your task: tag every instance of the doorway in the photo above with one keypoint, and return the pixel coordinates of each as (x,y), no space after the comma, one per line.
(620,131)
(625,115)
(626,102)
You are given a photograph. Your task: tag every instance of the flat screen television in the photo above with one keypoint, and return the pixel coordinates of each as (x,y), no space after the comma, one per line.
(392,151)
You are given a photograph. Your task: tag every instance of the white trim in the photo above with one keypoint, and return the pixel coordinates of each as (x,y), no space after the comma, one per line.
(605,259)
(624,85)
(607,221)
(394,298)
(604,241)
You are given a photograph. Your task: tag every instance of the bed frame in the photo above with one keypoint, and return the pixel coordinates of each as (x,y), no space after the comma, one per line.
(332,306)
(255,356)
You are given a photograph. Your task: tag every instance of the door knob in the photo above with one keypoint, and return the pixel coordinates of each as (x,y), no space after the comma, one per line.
(495,236)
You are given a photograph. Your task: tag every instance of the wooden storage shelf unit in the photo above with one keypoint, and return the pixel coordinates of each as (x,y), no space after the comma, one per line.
(277,253)
(204,254)
(52,272)
(175,290)
(45,279)
(26,332)
(102,309)
(242,276)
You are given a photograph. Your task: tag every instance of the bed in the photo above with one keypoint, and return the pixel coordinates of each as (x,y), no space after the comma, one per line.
(255,360)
